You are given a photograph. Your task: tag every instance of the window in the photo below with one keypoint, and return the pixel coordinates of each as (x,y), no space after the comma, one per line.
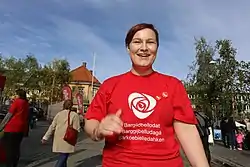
(81,89)
(94,91)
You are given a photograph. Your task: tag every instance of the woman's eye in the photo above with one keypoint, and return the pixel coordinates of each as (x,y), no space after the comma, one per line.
(151,42)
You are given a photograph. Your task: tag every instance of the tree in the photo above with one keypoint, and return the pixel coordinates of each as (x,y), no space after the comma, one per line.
(39,81)
(227,67)
(243,85)
(199,78)
(213,77)
(2,69)
(55,74)
(14,70)
(32,76)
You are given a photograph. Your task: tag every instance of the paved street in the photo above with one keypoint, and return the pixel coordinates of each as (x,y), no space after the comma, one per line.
(88,153)
(36,155)
(239,158)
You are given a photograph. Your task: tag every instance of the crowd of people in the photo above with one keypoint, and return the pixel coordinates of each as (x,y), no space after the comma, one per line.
(234,137)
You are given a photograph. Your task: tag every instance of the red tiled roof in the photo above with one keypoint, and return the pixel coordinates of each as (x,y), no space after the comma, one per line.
(82,74)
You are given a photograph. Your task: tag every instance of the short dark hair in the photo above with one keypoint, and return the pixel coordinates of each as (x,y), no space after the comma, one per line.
(67,105)
(21,93)
(138,27)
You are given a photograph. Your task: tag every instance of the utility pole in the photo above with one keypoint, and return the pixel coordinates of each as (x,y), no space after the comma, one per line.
(93,76)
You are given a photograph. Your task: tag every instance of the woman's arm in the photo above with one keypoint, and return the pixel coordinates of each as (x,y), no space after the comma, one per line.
(76,123)
(190,141)
(51,129)
(9,115)
(91,127)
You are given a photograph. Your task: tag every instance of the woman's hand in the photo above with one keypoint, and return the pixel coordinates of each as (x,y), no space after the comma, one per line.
(110,125)
(43,141)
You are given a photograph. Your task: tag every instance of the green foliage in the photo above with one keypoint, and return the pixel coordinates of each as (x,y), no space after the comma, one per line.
(216,78)
(39,81)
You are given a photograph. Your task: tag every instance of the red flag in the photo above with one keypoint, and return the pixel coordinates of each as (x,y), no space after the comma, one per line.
(79,98)
(67,93)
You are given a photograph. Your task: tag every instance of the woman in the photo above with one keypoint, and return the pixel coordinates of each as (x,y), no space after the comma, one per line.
(15,125)
(58,128)
(140,113)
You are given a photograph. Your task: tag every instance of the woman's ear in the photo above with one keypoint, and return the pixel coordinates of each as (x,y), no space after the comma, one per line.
(128,50)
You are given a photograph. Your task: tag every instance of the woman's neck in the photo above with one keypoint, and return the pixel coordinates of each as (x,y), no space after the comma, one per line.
(141,71)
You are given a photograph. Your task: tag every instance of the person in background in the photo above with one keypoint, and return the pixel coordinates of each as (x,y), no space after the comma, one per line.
(31,117)
(144,115)
(231,129)
(203,129)
(15,125)
(58,127)
(223,131)
(240,138)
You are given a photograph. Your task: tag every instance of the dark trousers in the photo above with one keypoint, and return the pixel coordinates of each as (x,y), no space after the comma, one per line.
(204,140)
(232,139)
(62,160)
(12,143)
(225,139)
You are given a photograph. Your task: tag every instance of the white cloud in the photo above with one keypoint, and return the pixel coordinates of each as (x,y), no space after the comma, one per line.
(78,35)
(214,21)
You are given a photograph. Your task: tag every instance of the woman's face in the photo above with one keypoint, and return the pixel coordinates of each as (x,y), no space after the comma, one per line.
(143,48)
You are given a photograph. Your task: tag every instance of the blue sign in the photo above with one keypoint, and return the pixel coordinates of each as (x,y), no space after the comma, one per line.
(217,134)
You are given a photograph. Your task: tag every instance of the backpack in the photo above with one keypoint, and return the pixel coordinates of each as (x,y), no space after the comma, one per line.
(203,124)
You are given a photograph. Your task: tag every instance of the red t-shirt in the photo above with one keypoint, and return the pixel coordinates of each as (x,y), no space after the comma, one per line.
(19,121)
(149,106)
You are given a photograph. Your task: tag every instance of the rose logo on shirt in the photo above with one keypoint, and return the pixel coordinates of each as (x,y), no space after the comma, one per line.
(141,104)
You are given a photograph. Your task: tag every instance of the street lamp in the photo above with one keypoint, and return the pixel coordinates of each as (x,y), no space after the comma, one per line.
(214,115)
(212,62)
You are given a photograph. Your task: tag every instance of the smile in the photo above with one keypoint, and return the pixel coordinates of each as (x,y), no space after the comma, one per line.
(143,55)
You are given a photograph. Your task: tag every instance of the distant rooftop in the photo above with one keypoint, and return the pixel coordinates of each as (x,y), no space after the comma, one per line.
(82,74)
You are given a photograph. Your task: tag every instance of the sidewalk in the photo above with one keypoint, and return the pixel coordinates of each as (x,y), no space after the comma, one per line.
(88,153)
(233,157)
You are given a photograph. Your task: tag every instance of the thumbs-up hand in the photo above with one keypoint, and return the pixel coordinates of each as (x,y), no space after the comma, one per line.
(111,125)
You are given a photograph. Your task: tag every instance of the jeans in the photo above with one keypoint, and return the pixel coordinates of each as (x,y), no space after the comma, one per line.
(232,139)
(12,142)
(62,160)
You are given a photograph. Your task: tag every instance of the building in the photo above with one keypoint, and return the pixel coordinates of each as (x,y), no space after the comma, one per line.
(83,81)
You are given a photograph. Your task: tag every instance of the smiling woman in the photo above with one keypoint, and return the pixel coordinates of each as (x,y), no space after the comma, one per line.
(142,43)
(140,112)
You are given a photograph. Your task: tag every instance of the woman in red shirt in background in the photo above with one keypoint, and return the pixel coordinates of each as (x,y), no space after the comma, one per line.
(15,125)
(141,112)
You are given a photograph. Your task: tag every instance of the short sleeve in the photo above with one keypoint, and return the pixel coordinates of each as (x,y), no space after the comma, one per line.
(97,108)
(183,111)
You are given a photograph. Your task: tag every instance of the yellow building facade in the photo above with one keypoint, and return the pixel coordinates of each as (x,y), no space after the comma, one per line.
(83,81)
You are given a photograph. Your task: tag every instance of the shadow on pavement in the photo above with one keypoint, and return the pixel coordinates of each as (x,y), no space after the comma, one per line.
(33,152)
(90,162)
(52,159)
